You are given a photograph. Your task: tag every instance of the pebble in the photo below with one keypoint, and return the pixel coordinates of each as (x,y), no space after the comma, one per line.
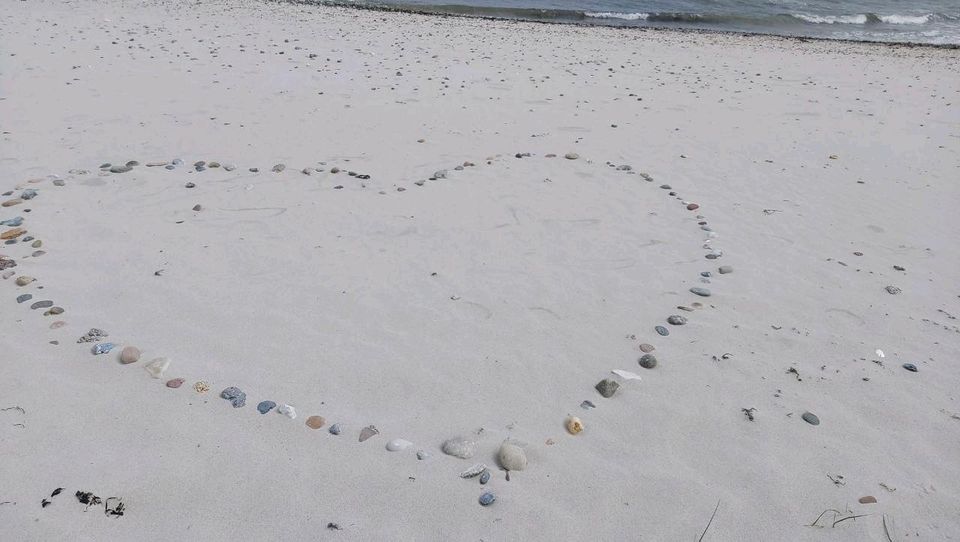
(189,185)
(133,163)
(54,311)
(702,292)
(129,354)
(910,367)
(647,347)
(335,429)
(512,457)
(422,454)
(487,499)
(288,411)
(24,298)
(120,169)
(475,470)
(706,274)
(571,156)
(692,206)
(574,425)
(197,207)
(156,164)
(607,387)
(59,182)
(398,444)
(461,447)
(235,395)
(38,253)
(685,308)
(662,330)
(893,290)
(676,320)
(810,418)
(102,348)
(177,162)
(42,305)
(201,387)
(648,361)
(105,165)
(12,233)
(28,194)
(368,432)
(485,477)
(868,500)
(23,280)
(725,269)
(200,163)
(175,383)
(213,165)
(157,367)
(279,167)
(12,222)
(587,405)
(316,422)
(266,406)
(11,202)
(665,186)
(229,167)
(254,170)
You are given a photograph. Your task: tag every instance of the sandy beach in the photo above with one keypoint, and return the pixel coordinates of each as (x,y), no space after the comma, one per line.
(430,228)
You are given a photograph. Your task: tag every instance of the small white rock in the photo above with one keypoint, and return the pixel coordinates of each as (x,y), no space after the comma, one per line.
(512,457)
(398,444)
(157,367)
(288,411)
(461,447)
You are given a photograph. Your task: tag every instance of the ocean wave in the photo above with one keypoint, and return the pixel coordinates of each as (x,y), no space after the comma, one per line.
(863,18)
(617,15)
(907,19)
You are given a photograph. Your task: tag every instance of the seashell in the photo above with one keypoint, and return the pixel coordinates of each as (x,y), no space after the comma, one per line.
(475,470)
(626,375)
(158,366)
(201,387)
(398,444)
(316,422)
(512,457)
(461,447)
(574,425)
(287,411)
(368,432)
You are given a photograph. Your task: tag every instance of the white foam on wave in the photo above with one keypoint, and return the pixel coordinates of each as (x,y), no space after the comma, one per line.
(906,19)
(832,19)
(616,15)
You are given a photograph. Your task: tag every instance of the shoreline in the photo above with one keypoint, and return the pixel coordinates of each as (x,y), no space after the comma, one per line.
(698,31)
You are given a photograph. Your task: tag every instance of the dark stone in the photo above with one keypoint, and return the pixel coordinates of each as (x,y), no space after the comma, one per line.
(648,361)
(810,418)
(607,387)
(662,331)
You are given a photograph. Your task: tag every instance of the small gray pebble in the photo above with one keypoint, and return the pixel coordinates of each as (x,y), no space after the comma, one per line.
(662,331)
(335,429)
(811,418)
(648,361)
(279,167)
(725,269)
(189,185)
(910,367)
(676,320)
(422,454)
(702,292)
(893,290)
(485,477)
(24,298)
(487,499)
(42,305)
(607,387)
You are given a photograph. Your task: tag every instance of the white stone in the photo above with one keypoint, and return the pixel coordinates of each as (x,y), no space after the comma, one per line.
(512,457)
(157,367)
(460,447)
(398,444)
(288,411)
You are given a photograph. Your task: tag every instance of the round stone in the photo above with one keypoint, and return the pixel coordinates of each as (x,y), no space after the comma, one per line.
(461,447)
(811,418)
(662,330)
(702,292)
(129,354)
(175,382)
(512,457)
(647,347)
(676,320)
(910,367)
(648,361)
(316,422)
(692,206)
(266,406)
(487,499)
(23,280)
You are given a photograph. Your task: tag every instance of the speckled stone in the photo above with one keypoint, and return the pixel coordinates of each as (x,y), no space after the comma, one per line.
(266,406)
(648,361)
(607,387)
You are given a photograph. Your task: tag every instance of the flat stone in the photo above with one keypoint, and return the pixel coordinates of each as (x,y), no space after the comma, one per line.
(692,206)
(229,167)
(46,304)
(484,477)
(58,324)
(102,348)
(607,387)
(810,418)
(422,454)
(461,447)
(647,347)
(288,411)
(265,406)
(279,167)
(23,280)
(571,156)
(175,383)
(368,432)
(197,207)
(676,320)
(12,233)
(702,292)
(235,395)
(487,499)
(316,422)
(120,169)
(24,298)
(893,290)
(662,330)
(54,311)
(190,185)
(11,202)
(129,354)
(868,500)
(665,186)
(398,444)
(725,269)
(910,367)
(648,361)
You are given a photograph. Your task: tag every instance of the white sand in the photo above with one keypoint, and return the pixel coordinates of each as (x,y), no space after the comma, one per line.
(545,269)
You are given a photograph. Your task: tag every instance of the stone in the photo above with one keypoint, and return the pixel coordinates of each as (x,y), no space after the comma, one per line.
(189,185)
(398,444)
(571,156)
(473,471)
(647,347)
(42,305)
(587,405)
(316,422)
(422,454)
(512,457)
(266,406)
(175,383)
(574,425)
(648,361)
(156,164)
(157,367)
(279,167)
(228,167)
(910,367)
(868,500)
(235,395)
(12,233)
(197,207)
(133,163)
(201,387)
(487,499)
(662,330)
(24,298)
(213,165)
(665,186)
(200,163)
(461,447)
(607,387)
(810,418)
(335,429)
(12,222)
(893,290)
(60,182)
(54,311)
(288,411)
(676,320)
(23,280)
(367,432)
(177,162)
(702,292)
(484,477)
(692,206)
(725,269)
(11,202)
(129,354)
(38,253)
(102,348)
(120,169)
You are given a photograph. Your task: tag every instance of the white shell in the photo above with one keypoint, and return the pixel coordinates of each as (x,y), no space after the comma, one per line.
(626,375)
(288,411)
(398,444)
(512,457)
(475,470)
(157,367)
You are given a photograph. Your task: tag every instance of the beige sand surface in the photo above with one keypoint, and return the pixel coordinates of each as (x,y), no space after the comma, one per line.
(549,274)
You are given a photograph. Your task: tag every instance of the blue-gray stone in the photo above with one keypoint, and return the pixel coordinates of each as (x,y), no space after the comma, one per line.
(236,397)
(487,499)
(27,239)
(24,298)
(169,166)
(676,320)
(648,361)
(335,429)
(706,274)
(910,367)
(810,418)
(28,194)
(662,330)
(102,348)
(13,222)
(266,406)
(42,305)
(702,292)
(177,162)
(485,477)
